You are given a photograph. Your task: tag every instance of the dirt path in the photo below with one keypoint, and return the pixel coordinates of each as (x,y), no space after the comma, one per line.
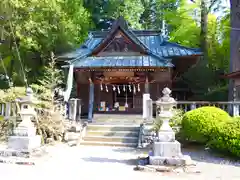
(90,163)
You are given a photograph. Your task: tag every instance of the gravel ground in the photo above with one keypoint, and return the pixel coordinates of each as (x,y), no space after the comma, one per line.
(90,163)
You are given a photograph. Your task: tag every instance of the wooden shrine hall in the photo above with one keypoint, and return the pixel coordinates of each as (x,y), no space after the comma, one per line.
(114,68)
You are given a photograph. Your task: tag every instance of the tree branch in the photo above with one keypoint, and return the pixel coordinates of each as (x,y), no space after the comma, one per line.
(213,2)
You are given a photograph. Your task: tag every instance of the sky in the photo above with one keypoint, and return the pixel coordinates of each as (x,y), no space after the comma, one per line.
(224,3)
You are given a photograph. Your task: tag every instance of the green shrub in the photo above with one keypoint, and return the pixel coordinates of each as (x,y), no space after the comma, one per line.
(226,137)
(176,120)
(198,124)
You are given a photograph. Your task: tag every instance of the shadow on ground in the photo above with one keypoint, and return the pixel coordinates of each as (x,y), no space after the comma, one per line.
(132,150)
(109,160)
(200,154)
(197,153)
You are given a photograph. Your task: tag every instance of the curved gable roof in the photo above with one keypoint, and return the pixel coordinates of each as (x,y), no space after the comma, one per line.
(150,42)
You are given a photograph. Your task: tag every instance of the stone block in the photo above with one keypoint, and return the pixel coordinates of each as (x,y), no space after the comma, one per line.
(172,161)
(76,128)
(26,143)
(167,149)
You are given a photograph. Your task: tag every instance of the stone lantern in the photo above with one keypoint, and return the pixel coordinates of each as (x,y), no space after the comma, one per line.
(24,135)
(166,150)
(165,105)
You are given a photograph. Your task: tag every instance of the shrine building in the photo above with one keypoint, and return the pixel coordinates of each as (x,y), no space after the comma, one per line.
(114,68)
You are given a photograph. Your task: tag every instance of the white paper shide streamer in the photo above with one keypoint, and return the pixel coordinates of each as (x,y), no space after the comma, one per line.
(138,88)
(129,87)
(118,90)
(124,88)
(134,89)
(106,88)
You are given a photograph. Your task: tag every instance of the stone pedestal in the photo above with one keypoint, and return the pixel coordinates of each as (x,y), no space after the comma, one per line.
(166,150)
(24,143)
(167,153)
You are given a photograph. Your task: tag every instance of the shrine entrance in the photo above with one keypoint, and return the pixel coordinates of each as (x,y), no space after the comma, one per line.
(120,90)
(123,97)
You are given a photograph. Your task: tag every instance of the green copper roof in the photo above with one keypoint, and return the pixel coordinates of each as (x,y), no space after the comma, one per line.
(159,51)
(156,44)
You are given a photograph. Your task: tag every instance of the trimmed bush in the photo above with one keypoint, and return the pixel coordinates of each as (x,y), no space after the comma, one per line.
(226,137)
(199,124)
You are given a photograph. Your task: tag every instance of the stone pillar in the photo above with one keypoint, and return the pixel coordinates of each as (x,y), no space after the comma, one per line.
(24,136)
(145,108)
(235,105)
(8,110)
(149,117)
(74,109)
(2,110)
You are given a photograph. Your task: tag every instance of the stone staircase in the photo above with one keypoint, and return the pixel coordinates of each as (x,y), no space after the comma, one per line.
(113,130)
(111,135)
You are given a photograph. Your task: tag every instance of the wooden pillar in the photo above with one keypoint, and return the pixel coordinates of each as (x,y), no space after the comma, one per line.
(91,100)
(146,87)
(78,90)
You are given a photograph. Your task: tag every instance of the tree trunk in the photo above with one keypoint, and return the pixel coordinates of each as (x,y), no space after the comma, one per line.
(234,43)
(203,32)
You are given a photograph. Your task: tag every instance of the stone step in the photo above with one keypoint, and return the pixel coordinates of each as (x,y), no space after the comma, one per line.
(111,139)
(113,133)
(114,144)
(98,127)
(118,118)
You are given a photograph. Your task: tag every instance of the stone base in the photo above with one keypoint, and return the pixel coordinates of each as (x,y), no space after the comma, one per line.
(171,161)
(24,143)
(167,149)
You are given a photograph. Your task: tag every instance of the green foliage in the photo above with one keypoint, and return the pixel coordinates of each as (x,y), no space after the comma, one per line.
(175,121)
(39,27)
(52,77)
(185,29)
(50,126)
(6,128)
(11,94)
(104,11)
(198,125)
(226,137)
(219,93)
(155,12)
